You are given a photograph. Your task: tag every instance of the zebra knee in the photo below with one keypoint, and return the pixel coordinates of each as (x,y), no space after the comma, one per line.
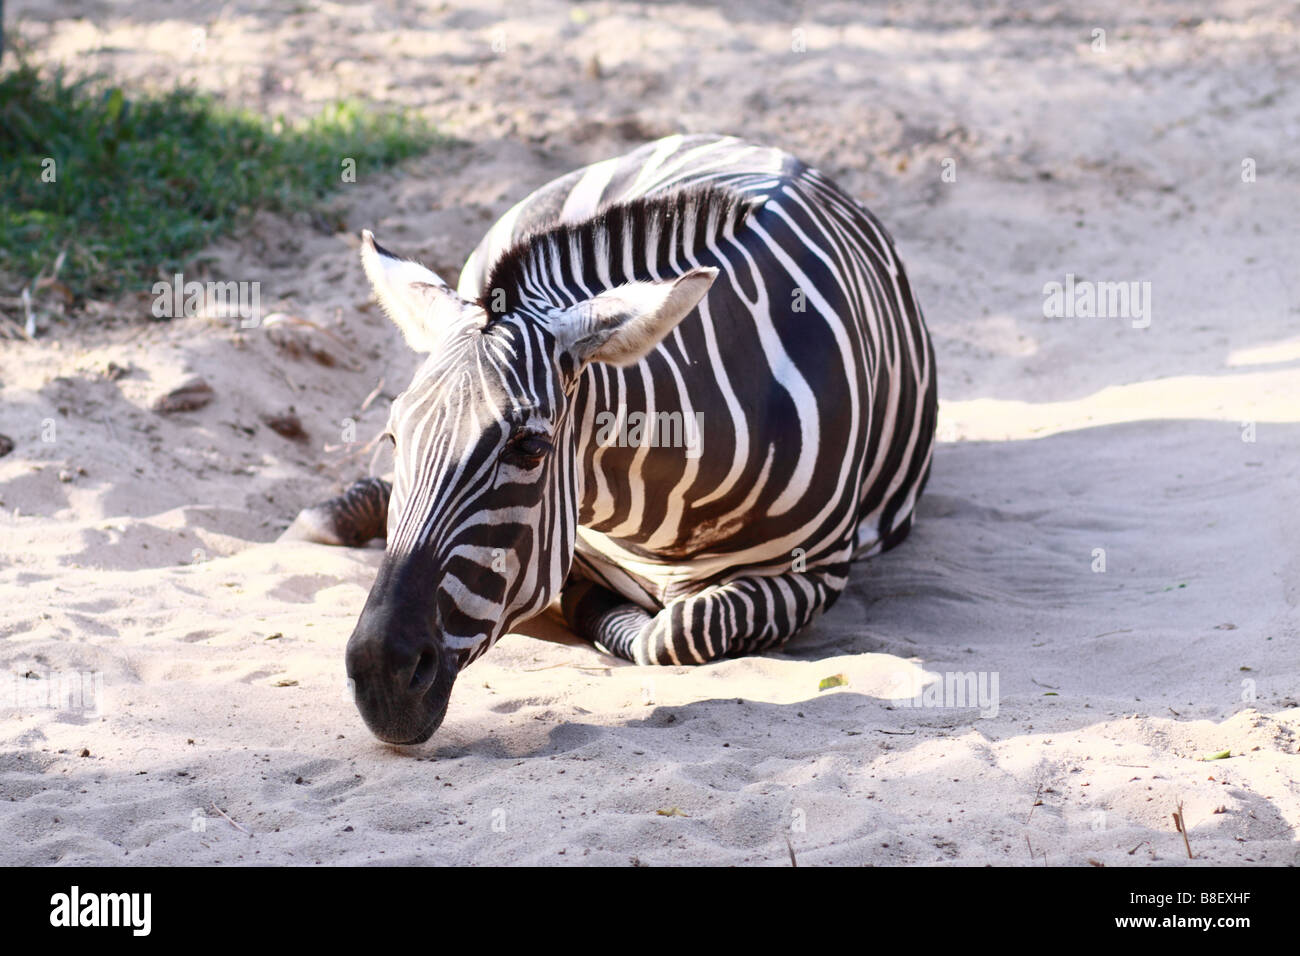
(655,642)
(692,631)
(632,633)
(351,519)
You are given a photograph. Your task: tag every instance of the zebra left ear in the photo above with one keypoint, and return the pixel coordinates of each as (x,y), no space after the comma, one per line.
(623,325)
(419,303)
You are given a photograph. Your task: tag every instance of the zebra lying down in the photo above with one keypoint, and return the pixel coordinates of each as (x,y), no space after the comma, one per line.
(698,279)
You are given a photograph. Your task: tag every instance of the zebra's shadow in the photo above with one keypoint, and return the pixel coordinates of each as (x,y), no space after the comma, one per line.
(1141,564)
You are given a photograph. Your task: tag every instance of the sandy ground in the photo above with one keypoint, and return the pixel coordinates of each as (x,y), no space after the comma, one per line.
(139,564)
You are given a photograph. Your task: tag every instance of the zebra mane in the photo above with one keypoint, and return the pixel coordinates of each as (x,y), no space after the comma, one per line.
(683,220)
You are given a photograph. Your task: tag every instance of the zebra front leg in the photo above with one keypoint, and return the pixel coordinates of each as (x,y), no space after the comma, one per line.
(743,616)
(350,520)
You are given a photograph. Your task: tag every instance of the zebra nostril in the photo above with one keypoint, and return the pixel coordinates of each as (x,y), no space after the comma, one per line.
(426,668)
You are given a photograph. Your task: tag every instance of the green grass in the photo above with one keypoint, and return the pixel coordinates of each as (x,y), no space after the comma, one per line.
(144,182)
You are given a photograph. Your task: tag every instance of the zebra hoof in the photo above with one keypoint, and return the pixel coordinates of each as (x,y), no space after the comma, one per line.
(358,515)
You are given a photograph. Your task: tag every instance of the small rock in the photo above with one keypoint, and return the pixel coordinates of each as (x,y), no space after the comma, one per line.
(189,397)
(300,343)
(286,424)
(6,445)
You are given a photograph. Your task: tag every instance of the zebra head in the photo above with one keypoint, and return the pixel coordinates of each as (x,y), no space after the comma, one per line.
(483,513)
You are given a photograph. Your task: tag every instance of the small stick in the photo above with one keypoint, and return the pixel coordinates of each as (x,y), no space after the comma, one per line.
(790,847)
(1182,828)
(1031,851)
(287,379)
(357,453)
(58,262)
(228,820)
(373,395)
(1038,793)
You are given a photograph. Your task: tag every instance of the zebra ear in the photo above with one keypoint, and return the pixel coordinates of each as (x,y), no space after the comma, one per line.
(623,325)
(418,302)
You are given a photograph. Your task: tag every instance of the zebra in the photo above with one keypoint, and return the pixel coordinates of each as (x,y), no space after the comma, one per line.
(699,276)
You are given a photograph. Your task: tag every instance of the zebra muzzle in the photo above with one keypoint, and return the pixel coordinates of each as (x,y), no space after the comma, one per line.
(401,674)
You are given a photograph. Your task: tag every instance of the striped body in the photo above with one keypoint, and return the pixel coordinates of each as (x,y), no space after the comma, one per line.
(808,366)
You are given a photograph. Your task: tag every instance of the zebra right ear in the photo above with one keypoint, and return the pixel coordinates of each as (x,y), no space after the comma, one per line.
(624,324)
(419,303)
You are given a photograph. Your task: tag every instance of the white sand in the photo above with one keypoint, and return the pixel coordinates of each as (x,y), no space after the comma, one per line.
(157,570)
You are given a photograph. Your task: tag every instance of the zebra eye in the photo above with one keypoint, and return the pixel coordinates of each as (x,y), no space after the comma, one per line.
(526,449)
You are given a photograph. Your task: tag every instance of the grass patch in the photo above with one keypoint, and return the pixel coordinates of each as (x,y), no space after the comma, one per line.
(140,184)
